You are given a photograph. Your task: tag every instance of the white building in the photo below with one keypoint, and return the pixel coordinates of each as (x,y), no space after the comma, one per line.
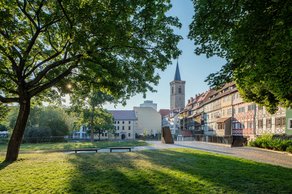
(125,122)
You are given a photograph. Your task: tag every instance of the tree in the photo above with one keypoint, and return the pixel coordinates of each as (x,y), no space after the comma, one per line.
(94,115)
(117,45)
(255,39)
(99,121)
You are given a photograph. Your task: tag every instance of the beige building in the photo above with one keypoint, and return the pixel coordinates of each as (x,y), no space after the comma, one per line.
(148,121)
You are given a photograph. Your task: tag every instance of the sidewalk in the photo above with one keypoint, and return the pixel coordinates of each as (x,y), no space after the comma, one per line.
(256,154)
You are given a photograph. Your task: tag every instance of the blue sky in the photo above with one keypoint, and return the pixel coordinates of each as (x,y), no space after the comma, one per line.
(193,69)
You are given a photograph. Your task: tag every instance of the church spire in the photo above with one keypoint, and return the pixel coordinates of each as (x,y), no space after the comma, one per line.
(177,74)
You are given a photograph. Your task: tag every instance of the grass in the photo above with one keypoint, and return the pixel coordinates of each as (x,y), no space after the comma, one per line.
(164,171)
(72,145)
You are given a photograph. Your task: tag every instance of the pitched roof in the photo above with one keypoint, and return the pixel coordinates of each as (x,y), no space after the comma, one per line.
(164,112)
(123,114)
(177,74)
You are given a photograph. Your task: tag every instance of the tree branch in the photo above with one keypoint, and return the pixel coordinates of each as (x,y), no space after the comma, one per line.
(50,67)
(8,100)
(51,83)
(23,9)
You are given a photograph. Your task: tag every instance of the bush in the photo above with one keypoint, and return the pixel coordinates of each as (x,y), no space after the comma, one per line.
(289,149)
(272,142)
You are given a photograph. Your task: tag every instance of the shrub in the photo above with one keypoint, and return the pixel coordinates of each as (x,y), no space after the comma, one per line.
(272,142)
(289,149)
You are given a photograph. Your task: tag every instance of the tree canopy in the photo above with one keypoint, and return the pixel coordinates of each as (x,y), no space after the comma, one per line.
(255,39)
(114,45)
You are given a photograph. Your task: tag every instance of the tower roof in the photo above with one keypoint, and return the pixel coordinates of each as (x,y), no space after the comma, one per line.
(177,74)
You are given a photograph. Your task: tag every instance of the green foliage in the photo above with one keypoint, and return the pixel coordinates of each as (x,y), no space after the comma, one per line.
(3,128)
(45,122)
(255,39)
(115,45)
(100,119)
(270,142)
(289,149)
(3,111)
(159,171)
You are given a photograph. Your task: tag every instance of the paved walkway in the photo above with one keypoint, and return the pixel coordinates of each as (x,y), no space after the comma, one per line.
(260,155)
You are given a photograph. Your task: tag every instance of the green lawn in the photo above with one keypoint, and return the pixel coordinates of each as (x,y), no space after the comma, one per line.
(72,145)
(165,171)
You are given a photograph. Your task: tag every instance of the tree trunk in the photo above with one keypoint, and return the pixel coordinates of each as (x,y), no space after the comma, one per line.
(99,134)
(17,134)
(91,128)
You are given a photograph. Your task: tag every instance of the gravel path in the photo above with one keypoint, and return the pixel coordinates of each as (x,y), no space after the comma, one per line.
(256,154)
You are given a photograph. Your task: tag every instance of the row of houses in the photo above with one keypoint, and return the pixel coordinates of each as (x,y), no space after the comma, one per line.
(223,114)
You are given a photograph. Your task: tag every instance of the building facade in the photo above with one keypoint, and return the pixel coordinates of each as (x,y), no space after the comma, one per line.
(125,122)
(222,114)
(148,121)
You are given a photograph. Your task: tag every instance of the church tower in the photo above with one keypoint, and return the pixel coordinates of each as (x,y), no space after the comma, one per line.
(177,92)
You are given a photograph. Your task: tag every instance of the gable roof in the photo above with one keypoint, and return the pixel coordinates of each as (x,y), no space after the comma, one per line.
(123,114)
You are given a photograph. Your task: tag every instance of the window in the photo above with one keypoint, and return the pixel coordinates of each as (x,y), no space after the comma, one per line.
(242,109)
(123,127)
(118,122)
(123,122)
(114,122)
(129,122)
(179,90)
(220,125)
(290,124)
(229,111)
(129,127)
(129,134)
(105,134)
(118,127)
(269,123)
(251,107)
(260,123)
(280,122)
(249,124)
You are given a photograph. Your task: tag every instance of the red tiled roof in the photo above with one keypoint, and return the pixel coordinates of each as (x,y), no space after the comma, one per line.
(164,112)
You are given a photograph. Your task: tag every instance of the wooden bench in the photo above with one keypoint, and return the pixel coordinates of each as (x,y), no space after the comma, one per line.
(120,148)
(85,149)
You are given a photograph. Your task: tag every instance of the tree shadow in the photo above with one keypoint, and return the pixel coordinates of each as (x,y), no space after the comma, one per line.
(231,174)
(174,171)
(4,164)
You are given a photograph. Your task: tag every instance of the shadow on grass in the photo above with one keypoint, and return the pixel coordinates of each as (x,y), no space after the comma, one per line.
(175,171)
(3,165)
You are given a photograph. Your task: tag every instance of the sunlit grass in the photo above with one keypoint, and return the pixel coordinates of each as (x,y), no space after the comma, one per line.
(73,145)
(163,171)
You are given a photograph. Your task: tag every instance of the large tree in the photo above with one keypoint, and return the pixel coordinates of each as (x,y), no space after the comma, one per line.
(255,39)
(117,45)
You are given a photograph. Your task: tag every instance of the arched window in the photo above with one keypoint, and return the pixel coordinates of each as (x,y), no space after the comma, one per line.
(179,90)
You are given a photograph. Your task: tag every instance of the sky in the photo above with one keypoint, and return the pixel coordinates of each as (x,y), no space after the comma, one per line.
(193,68)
